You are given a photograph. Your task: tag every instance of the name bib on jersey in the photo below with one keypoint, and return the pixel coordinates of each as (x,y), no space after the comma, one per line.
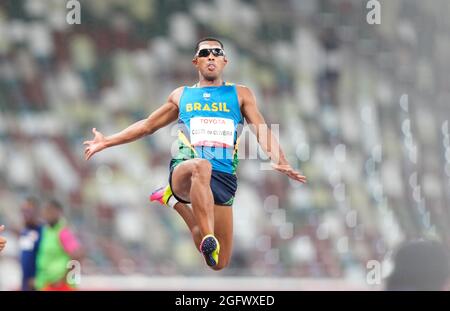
(211,131)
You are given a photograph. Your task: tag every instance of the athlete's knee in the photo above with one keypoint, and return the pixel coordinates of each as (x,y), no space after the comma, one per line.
(202,169)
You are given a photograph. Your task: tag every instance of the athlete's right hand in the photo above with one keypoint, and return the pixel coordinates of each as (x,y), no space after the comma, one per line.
(94,146)
(2,240)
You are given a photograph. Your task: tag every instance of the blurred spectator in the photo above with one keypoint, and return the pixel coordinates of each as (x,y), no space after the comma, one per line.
(58,246)
(29,242)
(2,239)
(420,266)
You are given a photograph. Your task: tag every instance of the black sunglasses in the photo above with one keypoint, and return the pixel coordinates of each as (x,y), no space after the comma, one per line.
(205,52)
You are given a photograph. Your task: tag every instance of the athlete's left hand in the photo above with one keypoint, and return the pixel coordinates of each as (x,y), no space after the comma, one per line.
(289,171)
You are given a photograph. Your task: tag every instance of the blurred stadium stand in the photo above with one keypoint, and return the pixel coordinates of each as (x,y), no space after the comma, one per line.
(341,90)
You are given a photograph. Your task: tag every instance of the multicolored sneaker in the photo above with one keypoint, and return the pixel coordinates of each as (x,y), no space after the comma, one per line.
(162,195)
(210,249)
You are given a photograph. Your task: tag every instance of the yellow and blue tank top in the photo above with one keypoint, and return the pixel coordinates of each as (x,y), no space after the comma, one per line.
(210,122)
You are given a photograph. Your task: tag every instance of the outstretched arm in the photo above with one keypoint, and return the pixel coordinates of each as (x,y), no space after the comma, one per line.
(161,117)
(264,135)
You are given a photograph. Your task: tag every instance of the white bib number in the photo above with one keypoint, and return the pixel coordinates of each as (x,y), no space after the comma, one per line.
(211,131)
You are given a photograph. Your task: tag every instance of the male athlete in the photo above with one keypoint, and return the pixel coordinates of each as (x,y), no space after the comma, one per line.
(203,173)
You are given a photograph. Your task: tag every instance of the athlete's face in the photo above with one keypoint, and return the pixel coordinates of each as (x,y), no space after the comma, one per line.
(210,66)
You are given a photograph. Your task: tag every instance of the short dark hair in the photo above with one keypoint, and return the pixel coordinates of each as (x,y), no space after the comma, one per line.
(32,200)
(197,45)
(56,204)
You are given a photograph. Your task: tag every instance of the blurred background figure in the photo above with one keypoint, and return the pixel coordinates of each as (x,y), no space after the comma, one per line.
(420,266)
(2,239)
(30,237)
(58,247)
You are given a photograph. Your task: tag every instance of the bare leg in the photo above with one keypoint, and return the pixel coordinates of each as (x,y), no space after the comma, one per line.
(223,230)
(224,233)
(189,218)
(191,182)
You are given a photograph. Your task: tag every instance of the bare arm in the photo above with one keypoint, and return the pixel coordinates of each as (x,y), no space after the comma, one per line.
(161,117)
(266,139)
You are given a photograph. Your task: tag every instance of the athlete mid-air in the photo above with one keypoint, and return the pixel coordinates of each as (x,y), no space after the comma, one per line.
(210,116)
